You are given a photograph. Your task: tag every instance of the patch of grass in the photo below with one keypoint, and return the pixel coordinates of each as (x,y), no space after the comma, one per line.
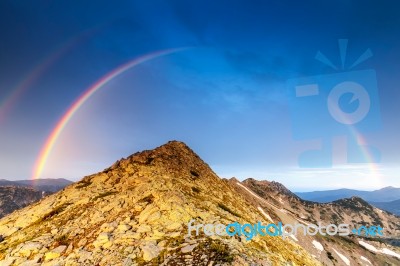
(105,194)
(62,240)
(222,253)
(57,210)
(335,218)
(225,208)
(175,242)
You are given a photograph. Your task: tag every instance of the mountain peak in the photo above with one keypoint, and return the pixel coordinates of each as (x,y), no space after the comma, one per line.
(174,152)
(355,203)
(169,151)
(141,206)
(140,210)
(173,160)
(387,188)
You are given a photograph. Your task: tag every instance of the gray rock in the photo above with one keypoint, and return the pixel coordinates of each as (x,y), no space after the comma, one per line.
(150,251)
(188,248)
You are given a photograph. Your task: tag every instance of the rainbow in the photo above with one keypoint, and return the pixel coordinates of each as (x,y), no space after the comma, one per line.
(36,72)
(74,107)
(369,157)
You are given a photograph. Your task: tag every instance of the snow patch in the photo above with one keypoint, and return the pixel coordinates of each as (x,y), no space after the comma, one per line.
(291,236)
(368,246)
(265,214)
(317,245)
(365,259)
(301,221)
(276,208)
(343,257)
(294,238)
(390,252)
(384,250)
(251,192)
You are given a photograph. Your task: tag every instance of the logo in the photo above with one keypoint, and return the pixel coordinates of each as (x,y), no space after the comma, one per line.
(252,230)
(341,104)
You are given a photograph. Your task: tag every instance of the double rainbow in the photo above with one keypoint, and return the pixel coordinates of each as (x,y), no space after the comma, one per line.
(74,107)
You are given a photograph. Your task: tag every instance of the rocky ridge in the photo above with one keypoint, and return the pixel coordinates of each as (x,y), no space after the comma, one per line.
(354,211)
(136,213)
(283,205)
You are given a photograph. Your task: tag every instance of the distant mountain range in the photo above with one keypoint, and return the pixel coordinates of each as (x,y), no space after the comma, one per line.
(387,198)
(139,211)
(13,198)
(50,185)
(391,206)
(18,194)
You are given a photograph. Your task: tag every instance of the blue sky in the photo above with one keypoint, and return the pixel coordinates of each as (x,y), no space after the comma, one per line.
(225,95)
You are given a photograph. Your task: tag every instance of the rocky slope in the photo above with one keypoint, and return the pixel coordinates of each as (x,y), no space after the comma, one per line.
(137,211)
(285,206)
(13,198)
(354,211)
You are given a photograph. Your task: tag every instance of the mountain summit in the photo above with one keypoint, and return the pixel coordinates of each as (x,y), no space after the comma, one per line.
(137,211)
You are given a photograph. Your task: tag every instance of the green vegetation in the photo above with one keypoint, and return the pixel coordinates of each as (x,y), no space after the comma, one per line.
(221,251)
(175,242)
(218,251)
(62,240)
(322,214)
(335,218)
(55,211)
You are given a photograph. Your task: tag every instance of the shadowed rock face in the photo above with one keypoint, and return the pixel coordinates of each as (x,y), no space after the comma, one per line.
(13,198)
(136,213)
